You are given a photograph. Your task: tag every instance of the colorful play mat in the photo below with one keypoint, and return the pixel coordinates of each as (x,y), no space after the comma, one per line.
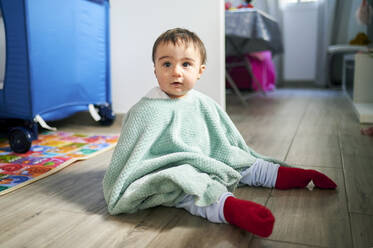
(51,152)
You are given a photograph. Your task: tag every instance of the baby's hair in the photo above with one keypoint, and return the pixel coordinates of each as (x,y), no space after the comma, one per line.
(178,35)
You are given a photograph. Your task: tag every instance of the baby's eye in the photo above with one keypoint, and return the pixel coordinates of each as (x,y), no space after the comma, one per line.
(166,64)
(186,64)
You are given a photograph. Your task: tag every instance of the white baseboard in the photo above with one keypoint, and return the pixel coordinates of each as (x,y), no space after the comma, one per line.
(364,112)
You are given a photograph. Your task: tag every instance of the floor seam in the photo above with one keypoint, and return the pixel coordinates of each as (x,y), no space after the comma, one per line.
(359,213)
(344,183)
(297,129)
(294,243)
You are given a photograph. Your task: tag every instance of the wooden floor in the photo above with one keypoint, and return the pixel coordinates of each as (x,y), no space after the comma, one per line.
(308,128)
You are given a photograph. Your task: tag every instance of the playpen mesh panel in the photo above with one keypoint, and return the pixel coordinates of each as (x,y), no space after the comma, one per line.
(16,85)
(67,41)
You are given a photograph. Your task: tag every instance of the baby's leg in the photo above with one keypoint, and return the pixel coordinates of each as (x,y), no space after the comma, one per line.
(267,174)
(214,213)
(247,215)
(261,173)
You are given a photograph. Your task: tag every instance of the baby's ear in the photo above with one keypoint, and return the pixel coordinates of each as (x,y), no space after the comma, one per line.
(202,68)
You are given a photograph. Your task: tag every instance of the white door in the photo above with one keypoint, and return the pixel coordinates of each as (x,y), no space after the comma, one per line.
(300,34)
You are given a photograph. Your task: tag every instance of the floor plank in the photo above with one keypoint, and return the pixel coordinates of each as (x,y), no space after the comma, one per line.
(357,144)
(362,230)
(318,150)
(359,183)
(312,217)
(193,231)
(272,137)
(40,230)
(265,243)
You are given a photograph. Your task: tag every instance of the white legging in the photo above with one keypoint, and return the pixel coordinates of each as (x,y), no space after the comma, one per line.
(261,173)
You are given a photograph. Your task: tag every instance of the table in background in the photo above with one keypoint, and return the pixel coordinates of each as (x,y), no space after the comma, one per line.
(246,31)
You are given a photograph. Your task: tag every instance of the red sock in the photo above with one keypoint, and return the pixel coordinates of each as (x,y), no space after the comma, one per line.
(250,216)
(288,178)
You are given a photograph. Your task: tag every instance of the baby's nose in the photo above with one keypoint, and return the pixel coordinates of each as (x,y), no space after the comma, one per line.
(177,71)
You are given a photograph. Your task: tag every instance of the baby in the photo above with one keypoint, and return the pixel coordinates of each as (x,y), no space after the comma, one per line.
(178,148)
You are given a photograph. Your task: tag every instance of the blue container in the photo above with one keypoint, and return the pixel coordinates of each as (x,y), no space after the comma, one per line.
(57,59)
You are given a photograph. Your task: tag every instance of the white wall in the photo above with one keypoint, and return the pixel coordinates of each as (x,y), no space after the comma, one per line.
(134,28)
(300,41)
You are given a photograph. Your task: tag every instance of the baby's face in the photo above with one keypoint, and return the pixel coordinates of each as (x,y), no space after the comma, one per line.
(177,68)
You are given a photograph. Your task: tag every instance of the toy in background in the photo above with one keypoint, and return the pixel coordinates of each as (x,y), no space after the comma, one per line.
(245,5)
(238,4)
(228,5)
(361,39)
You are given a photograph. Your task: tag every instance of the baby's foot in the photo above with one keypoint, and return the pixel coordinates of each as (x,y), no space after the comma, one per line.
(322,181)
(288,178)
(249,216)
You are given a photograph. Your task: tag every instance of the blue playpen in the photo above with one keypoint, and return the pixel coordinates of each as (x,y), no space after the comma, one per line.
(54,62)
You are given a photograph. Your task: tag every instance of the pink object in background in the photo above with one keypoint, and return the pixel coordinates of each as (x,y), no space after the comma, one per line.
(228,5)
(262,67)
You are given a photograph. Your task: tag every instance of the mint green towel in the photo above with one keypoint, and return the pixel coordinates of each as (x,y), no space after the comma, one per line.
(172,147)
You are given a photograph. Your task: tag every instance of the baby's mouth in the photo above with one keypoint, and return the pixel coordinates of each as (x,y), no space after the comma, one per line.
(176,84)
